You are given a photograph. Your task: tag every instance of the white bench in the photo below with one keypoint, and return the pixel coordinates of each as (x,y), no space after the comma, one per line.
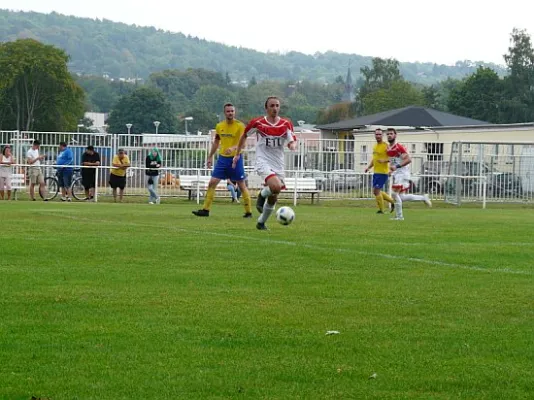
(191,183)
(18,182)
(303,185)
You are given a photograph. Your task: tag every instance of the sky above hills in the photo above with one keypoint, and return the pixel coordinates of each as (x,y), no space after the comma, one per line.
(412,30)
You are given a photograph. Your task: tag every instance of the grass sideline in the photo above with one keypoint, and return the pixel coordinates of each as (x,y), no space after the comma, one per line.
(121,301)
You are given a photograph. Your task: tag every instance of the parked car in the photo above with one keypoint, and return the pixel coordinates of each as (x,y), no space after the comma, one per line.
(343,179)
(499,184)
(432,176)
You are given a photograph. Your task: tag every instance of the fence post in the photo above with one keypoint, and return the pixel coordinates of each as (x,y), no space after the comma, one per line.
(484,189)
(198,186)
(96,184)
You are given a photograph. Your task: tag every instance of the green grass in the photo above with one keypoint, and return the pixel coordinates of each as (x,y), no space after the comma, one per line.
(122,301)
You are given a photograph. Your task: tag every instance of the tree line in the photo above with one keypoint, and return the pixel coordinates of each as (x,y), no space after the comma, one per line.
(103,47)
(37,92)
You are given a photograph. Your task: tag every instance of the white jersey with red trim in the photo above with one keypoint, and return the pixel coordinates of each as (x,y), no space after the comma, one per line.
(271,141)
(395,153)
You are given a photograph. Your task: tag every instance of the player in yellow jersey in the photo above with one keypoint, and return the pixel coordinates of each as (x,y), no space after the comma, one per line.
(229,132)
(380,163)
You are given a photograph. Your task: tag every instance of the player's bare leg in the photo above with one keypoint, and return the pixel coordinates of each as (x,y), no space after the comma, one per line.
(274,186)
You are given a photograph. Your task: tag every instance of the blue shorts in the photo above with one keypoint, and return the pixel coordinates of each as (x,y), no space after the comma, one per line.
(379,180)
(65,178)
(223,169)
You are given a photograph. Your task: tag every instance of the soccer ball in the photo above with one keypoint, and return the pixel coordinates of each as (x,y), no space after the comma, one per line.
(285,215)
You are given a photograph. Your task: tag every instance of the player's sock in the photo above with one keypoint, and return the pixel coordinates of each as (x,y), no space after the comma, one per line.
(267,211)
(380,202)
(246,201)
(387,197)
(266,192)
(210,194)
(398,205)
(412,197)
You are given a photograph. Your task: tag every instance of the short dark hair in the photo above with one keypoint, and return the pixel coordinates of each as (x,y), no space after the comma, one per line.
(392,130)
(36,143)
(92,148)
(4,149)
(121,151)
(228,105)
(271,98)
(379,130)
(63,144)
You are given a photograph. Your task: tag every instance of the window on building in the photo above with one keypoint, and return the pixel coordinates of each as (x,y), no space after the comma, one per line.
(364,157)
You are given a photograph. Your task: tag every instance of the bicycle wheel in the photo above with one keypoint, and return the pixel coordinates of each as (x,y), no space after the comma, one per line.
(51,188)
(77,189)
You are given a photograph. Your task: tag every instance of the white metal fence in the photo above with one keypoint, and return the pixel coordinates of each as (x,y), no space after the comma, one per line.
(468,172)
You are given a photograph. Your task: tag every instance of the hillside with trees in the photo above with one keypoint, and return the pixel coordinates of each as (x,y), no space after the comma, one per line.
(103,47)
(39,90)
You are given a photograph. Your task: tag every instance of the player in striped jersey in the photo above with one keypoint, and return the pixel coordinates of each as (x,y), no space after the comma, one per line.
(273,133)
(400,172)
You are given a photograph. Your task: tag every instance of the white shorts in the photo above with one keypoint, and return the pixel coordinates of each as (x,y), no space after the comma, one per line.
(401,180)
(265,172)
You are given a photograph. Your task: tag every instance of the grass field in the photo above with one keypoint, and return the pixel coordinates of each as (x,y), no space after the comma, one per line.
(131,301)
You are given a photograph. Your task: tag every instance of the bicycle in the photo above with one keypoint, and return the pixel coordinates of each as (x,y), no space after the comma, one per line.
(76,187)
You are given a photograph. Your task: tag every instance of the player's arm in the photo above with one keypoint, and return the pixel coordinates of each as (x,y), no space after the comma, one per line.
(369,166)
(242,140)
(404,161)
(213,150)
(291,137)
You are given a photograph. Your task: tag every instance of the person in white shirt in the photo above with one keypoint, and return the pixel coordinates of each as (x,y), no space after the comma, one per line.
(6,161)
(33,159)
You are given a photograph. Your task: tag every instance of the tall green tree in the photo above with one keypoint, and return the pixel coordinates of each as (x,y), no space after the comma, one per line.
(381,74)
(212,98)
(479,96)
(37,89)
(519,84)
(141,108)
(399,94)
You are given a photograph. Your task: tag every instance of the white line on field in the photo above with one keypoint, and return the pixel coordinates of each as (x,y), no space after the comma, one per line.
(314,247)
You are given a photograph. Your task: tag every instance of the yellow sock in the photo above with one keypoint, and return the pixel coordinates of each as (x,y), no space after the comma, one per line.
(387,197)
(246,201)
(380,202)
(210,194)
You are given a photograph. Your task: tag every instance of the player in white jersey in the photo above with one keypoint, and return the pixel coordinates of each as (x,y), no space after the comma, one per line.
(272,133)
(400,161)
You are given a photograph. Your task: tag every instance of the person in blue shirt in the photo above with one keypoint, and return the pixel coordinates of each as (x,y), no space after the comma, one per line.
(65,160)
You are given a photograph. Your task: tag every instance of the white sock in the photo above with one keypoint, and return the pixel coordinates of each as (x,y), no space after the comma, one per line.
(267,211)
(398,205)
(266,192)
(412,197)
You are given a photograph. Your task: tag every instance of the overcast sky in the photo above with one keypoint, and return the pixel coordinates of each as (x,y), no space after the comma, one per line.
(410,30)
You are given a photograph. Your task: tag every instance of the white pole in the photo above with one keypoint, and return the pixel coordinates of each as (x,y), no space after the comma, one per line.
(96,184)
(484,189)
(198,186)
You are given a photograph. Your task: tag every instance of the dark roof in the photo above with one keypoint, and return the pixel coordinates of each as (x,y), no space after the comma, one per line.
(408,116)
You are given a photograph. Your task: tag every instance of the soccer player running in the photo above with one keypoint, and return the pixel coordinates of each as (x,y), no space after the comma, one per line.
(272,133)
(400,172)
(228,135)
(380,163)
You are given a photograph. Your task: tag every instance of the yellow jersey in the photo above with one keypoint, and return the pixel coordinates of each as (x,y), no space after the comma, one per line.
(380,154)
(229,135)
(117,160)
